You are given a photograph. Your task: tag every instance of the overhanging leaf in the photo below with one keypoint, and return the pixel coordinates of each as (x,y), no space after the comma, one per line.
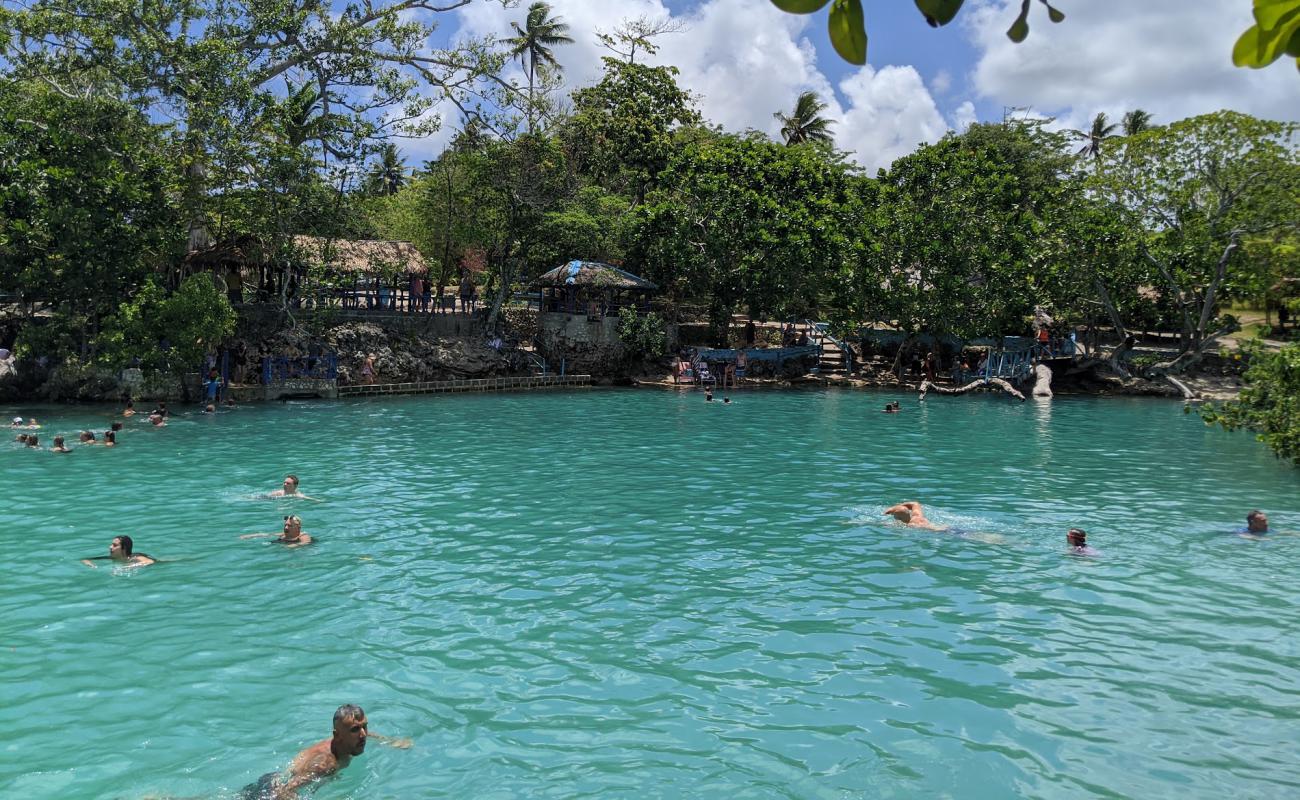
(799,6)
(939,12)
(848,31)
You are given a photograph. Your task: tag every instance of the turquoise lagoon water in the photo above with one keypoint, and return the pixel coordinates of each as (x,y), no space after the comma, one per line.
(634,594)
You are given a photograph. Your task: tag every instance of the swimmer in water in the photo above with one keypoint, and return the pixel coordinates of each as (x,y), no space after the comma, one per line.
(291,536)
(88,437)
(726,401)
(129,411)
(157,420)
(291,489)
(121,549)
(1256,525)
(59,446)
(708,396)
(323,759)
(1076,540)
(33,441)
(110,439)
(909,513)
(891,408)
(21,438)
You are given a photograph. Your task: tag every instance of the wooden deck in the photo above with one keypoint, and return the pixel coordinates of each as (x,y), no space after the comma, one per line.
(517,384)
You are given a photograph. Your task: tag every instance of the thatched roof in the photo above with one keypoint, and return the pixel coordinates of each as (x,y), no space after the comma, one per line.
(361,255)
(593,273)
(342,255)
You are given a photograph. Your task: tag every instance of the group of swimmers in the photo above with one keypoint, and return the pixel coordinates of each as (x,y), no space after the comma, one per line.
(157,418)
(911,514)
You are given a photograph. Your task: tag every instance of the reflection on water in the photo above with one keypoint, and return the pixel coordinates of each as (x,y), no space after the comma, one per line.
(615,593)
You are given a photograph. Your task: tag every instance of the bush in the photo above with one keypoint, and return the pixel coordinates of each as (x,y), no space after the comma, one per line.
(1270,403)
(643,335)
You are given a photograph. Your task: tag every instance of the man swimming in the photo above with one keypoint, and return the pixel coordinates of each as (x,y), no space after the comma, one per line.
(323,759)
(1256,523)
(290,489)
(121,549)
(909,513)
(292,534)
(59,446)
(1076,540)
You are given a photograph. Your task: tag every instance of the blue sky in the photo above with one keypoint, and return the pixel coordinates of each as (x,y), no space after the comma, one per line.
(744,59)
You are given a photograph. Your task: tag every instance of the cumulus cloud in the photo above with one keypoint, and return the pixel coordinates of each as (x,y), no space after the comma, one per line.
(743,61)
(964,116)
(1168,57)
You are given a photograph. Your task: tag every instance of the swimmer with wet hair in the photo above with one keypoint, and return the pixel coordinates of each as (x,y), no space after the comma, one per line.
(290,489)
(88,437)
(33,441)
(292,535)
(910,513)
(59,446)
(122,550)
(21,438)
(157,420)
(1076,540)
(1256,522)
(323,759)
(110,439)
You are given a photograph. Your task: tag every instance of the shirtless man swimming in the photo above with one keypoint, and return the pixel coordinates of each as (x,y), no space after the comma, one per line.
(290,489)
(121,550)
(909,513)
(291,536)
(323,759)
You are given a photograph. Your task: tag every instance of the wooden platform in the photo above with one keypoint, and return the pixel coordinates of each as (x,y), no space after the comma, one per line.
(517,384)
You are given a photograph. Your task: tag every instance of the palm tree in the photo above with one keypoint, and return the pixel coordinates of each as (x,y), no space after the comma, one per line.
(541,32)
(1136,121)
(806,123)
(389,173)
(1093,139)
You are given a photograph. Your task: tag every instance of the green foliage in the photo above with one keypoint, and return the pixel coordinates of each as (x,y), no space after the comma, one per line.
(1276,32)
(86,211)
(1270,403)
(643,335)
(848,30)
(169,332)
(743,221)
(1196,190)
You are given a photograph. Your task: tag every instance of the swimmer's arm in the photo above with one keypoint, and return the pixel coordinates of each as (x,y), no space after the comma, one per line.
(258,535)
(87,561)
(301,775)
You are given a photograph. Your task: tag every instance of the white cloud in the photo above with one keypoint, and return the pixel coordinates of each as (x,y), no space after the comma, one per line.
(743,60)
(888,115)
(1172,58)
(964,116)
(941,82)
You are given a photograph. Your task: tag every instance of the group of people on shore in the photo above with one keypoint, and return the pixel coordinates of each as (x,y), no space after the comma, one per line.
(911,514)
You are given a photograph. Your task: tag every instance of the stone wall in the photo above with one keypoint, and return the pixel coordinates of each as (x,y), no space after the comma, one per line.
(584,345)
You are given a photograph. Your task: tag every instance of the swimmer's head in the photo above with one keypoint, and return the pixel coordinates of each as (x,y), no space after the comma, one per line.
(350,729)
(1257,521)
(292,527)
(1076,537)
(290,484)
(116,426)
(22,438)
(110,437)
(17,421)
(58,441)
(121,547)
(901,512)
(209,409)
(33,441)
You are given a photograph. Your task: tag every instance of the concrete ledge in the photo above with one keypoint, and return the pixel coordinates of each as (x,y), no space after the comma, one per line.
(511,384)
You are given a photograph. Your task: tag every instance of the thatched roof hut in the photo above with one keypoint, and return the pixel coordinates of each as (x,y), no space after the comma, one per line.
(366,256)
(592,274)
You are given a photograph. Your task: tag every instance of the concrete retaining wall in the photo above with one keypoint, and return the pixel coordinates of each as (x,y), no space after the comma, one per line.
(516,384)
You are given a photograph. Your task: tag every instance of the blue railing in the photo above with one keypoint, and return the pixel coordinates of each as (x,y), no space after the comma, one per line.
(283,368)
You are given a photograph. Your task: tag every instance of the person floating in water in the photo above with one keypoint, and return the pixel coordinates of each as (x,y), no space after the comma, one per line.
(910,513)
(290,489)
(157,420)
(33,441)
(59,446)
(110,439)
(323,759)
(1256,525)
(129,411)
(21,438)
(1076,539)
(726,401)
(30,425)
(708,396)
(291,536)
(121,549)
(892,408)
